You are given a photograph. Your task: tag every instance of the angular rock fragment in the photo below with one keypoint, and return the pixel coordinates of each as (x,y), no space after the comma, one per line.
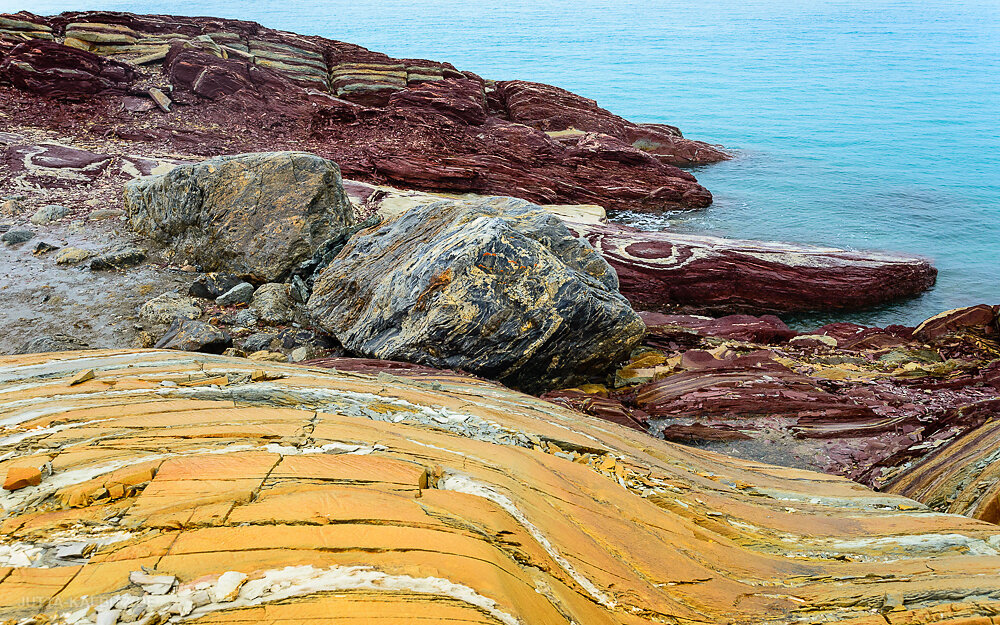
(239,294)
(254,215)
(194,336)
(21,477)
(169,306)
(273,302)
(118,259)
(497,287)
(212,285)
(981,317)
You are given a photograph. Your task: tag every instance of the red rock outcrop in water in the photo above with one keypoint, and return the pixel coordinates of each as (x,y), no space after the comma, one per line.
(236,86)
(668,270)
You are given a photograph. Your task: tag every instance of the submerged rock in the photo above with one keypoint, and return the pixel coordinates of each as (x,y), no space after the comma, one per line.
(254,215)
(498,287)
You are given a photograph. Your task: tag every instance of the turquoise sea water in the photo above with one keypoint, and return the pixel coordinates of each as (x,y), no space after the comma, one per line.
(859,123)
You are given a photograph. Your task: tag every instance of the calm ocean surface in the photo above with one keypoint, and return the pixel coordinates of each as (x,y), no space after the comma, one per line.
(870,124)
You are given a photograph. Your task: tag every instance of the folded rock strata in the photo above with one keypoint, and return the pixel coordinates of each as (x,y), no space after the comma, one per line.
(237,86)
(962,476)
(224,490)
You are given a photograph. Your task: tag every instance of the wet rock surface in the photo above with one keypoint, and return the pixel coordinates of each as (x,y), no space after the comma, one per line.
(296,492)
(169,306)
(253,215)
(498,287)
(120,258)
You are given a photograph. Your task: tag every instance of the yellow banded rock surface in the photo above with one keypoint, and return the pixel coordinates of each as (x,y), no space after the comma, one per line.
(204,489)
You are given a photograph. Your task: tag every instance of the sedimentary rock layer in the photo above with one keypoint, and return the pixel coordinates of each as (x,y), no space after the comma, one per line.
(904,409)
(223,490)
(667,270)
(231,86)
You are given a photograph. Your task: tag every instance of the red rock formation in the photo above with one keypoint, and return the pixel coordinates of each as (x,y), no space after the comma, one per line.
(553,109)
(736,388)
(416,123)
(911,412)
(55,70)
(667,271)
(766,329)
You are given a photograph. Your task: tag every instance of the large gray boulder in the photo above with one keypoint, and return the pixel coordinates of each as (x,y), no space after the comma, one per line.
(497,286)
(254,215)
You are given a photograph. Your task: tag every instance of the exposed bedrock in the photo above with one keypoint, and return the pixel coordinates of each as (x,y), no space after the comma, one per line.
(233,491)
(229,86)
(497,286)
(51,69)
(564,114)
(908,410)
(671,271)
(254,215)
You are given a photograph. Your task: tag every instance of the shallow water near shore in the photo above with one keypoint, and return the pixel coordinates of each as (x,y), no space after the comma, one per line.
(857,123)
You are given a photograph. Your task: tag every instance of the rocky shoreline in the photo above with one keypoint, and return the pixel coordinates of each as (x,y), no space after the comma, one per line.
(214,186)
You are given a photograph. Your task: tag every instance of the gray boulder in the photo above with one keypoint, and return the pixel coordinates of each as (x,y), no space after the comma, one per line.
(14,237)
(273,302)
(167,307)
(498,287)
(48,214)
(255,215)
(195,336)
(239,294)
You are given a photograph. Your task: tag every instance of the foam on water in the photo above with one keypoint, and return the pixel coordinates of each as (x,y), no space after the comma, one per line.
(868,124)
